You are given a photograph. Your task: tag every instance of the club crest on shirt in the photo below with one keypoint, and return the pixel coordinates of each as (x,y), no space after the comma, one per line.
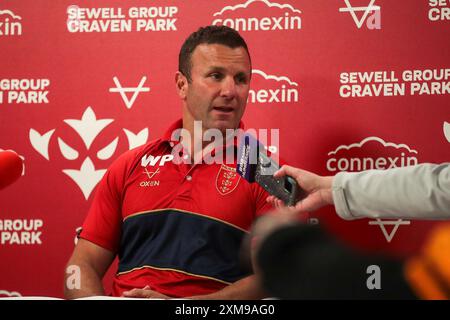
(227,180)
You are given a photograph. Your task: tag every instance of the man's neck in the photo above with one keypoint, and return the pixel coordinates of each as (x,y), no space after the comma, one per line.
(198,146)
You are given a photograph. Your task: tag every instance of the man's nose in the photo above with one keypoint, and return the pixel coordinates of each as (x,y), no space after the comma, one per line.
(228,89)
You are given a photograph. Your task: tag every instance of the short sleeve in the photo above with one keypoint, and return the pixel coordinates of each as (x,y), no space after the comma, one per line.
(102,225)
(262,206)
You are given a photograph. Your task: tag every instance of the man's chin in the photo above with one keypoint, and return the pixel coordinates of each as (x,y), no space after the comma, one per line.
(223,125)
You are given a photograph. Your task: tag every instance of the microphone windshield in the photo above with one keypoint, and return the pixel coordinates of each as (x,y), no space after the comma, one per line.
(11,167)
(247,158)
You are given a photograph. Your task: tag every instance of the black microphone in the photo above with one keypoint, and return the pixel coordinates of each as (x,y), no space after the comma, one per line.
(255,165)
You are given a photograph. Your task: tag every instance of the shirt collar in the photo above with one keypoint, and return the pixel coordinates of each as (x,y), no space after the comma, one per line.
(167,137)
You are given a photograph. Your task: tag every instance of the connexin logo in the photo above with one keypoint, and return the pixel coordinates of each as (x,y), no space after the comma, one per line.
(371,153)
(371,14)
(272,89)
(88,128)
(10,24)
(255,15)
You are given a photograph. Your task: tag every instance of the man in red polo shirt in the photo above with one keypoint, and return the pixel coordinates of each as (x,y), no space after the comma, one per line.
(177,224)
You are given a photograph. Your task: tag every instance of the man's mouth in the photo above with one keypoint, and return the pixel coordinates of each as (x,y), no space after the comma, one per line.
(224,109)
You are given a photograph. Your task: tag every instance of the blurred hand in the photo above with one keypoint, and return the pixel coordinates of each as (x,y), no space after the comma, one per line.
(267,224)
(317,188)
(145,292)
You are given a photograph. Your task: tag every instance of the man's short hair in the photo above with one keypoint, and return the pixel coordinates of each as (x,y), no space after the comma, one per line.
(208,35)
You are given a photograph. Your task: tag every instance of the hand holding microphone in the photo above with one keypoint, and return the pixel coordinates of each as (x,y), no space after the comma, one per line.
(11,167)
(300,190)
(318,189)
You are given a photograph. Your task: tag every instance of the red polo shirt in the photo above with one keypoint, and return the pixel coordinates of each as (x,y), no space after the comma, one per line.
(176,227)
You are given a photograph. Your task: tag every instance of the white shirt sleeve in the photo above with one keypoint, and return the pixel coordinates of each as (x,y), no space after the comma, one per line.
(416,192)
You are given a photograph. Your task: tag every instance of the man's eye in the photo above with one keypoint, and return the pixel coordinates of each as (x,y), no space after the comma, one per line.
(216,76)
(242,80)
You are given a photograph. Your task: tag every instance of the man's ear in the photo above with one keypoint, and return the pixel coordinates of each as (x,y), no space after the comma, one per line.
(181,84)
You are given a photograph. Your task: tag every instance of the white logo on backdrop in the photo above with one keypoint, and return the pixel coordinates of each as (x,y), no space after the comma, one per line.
(123,91)
(272,77)
(267,23)
(24,91)
(21,231)
(374,22)
(446,128)
(364,141)
(245,5)
(439,10)
(10,293)
(358,164)
(7,27)
(88,128)
(284,92)
(384,223)
(118,19)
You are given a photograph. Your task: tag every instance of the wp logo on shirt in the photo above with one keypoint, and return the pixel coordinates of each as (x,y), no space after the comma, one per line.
(149,160)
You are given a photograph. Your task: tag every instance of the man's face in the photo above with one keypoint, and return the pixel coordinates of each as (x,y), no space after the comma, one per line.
(218,91)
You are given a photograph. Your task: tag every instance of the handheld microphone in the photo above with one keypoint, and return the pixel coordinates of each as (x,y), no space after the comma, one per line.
(254,165)
(11,167)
